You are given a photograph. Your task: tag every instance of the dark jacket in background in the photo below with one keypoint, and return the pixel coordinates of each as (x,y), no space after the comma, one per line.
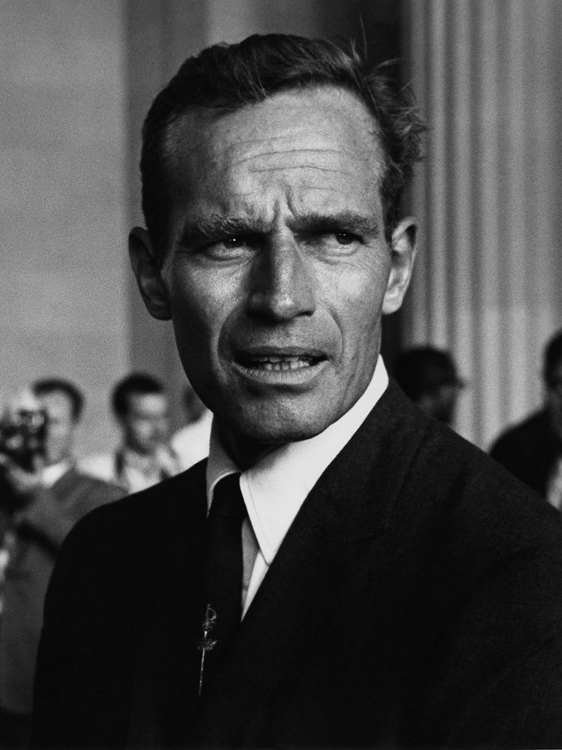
(529,451)
(37,533)
(415,602)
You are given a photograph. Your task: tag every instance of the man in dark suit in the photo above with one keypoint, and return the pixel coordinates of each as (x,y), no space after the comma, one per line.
(43,500)
(532,449)
(363,577)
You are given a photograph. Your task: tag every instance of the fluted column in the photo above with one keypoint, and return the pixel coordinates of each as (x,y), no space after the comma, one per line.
(488,284)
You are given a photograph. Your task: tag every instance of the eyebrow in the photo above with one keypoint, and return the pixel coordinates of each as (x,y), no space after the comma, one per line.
(208,229)
(340,221)
(216,226)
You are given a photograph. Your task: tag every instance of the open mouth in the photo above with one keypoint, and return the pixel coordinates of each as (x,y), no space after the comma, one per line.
(278,362)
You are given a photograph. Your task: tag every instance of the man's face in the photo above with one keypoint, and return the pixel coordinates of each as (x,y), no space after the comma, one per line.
(145,426)
(61,427)
(277,270)
(554,399)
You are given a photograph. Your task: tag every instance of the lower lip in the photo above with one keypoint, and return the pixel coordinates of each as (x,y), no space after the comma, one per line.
(291,378)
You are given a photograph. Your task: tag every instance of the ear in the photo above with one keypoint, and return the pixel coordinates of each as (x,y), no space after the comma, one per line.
(146,268)
(403,254)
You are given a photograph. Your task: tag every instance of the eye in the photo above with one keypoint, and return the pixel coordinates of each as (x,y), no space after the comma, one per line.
(233,242)
(230,248)
(334,242)
(346,238)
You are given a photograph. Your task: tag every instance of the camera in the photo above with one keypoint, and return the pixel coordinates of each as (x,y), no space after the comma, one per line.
(23,428)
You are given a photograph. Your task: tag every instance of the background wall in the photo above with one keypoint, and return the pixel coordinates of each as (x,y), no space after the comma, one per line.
(62,213)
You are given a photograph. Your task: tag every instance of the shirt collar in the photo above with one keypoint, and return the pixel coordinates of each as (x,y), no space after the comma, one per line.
(276,487)
(50,475)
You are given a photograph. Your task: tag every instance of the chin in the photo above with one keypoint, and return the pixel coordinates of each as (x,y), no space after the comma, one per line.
(275,431)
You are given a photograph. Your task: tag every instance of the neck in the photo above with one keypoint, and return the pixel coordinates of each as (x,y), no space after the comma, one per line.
(245,453)
(50,462)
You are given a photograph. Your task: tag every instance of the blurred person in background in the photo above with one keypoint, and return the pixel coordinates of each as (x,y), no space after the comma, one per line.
(42,497)
(144,457)
(191,442)
(429,377)
(532,448)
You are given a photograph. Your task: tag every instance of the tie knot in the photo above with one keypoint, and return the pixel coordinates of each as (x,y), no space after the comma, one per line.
(227,499)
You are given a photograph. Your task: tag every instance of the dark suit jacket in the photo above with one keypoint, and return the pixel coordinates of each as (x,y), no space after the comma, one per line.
(529,450)
(415,602)
(37,533)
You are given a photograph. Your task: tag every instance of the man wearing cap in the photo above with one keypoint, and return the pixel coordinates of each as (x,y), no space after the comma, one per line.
(429,377)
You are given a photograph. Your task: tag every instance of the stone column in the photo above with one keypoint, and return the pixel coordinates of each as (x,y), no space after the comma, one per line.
(489,277)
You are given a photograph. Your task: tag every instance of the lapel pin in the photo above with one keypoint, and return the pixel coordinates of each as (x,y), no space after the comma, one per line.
(206,643)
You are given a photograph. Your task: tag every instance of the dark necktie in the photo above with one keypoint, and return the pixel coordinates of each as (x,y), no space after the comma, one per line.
(223,575)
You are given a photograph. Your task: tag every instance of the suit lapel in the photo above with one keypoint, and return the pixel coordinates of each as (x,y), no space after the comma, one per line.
(309,578)
(167,621)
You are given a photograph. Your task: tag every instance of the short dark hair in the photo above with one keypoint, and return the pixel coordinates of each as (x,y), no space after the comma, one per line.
(228,77)
(137,383)
(423,369)
(55,385)
(552,355)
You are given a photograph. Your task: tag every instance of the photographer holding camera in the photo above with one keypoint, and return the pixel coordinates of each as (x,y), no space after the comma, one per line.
(42,496)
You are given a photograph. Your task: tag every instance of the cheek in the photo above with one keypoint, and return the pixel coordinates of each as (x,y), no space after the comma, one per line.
(56,435)
(199,315)
(205,306)
(192,316)
(363,277)
(356,300)
(198,299)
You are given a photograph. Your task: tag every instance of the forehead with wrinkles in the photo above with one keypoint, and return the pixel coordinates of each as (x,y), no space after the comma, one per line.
(286,136)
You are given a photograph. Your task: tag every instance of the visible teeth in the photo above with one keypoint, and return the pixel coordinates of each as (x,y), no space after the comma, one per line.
(274,363)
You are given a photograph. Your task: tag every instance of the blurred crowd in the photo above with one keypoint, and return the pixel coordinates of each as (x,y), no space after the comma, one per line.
(45,488)
(530,449)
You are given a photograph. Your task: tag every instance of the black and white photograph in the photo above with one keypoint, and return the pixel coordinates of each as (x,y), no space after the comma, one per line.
(281,396)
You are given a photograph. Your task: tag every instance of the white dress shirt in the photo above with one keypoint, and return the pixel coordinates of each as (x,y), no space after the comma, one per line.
(50,475)
(275,488)
(131,470)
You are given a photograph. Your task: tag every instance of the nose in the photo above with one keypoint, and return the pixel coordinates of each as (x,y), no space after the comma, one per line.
(282,283)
